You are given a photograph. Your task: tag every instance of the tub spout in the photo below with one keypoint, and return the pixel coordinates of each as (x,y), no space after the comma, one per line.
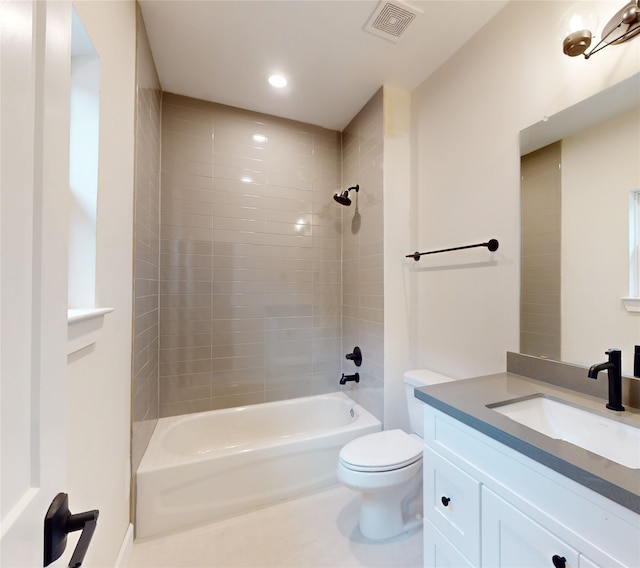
(345,378)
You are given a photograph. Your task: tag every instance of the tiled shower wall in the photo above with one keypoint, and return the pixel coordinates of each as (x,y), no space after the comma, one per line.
(541,203)
(146,248)
(250,280)
(363,262)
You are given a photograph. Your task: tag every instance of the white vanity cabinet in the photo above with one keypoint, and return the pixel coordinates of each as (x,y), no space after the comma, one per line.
(487,505)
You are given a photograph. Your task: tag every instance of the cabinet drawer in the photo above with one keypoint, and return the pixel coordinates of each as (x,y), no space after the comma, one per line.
(452,504)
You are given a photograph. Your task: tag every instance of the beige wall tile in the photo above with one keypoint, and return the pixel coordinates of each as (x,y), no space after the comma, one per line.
(540,308)
(189,407)
(145,378)
(256,269)
(362,265)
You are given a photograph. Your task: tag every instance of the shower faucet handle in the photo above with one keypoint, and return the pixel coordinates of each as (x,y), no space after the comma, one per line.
(356,356)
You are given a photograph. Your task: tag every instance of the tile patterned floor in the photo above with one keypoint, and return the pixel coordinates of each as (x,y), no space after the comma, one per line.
(319,530)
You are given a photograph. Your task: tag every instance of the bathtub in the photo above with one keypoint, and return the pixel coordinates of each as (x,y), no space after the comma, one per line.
(206,466)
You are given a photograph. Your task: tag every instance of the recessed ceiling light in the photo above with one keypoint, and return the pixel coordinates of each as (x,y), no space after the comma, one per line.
(277,81)
(259,138)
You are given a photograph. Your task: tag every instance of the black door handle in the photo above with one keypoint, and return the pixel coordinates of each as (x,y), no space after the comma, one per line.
(59,522)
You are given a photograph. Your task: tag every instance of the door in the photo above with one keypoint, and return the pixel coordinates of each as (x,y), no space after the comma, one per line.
(34,167)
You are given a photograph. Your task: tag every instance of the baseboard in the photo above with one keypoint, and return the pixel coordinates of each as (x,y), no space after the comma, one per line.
(125,549)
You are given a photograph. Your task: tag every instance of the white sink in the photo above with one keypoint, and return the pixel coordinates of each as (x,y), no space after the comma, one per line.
(607,437)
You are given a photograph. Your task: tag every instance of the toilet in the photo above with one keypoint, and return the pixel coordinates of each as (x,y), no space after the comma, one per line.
(386,467)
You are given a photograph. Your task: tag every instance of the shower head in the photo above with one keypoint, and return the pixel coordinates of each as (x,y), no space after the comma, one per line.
(342,197)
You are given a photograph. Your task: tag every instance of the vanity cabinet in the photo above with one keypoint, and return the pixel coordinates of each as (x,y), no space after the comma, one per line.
(488,505)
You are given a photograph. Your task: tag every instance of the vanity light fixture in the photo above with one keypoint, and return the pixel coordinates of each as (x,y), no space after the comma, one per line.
(577,34)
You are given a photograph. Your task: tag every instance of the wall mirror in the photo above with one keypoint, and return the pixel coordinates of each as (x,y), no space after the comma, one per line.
(579,169)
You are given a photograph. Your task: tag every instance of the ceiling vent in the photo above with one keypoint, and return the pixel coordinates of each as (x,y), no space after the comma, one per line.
(391,19)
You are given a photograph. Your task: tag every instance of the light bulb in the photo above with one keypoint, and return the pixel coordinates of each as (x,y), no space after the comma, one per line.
(277,81)
(576,29)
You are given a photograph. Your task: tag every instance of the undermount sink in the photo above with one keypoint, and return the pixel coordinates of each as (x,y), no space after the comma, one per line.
(609,438)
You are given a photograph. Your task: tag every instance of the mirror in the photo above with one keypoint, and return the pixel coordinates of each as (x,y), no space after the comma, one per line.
(579,168)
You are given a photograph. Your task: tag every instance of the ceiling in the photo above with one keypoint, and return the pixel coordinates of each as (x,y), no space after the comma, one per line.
(224,50)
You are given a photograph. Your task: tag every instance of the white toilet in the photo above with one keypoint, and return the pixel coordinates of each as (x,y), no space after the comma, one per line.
(387,468)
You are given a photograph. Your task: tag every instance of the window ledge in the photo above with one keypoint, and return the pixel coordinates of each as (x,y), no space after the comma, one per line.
(84,327)
(632,304)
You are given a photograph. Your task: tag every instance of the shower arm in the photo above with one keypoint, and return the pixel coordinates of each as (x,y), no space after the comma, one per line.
(492,245)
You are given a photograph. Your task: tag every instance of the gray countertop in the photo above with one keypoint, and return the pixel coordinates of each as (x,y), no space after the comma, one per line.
(466,400)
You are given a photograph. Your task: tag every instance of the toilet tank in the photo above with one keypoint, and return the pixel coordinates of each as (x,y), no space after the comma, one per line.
(418,378)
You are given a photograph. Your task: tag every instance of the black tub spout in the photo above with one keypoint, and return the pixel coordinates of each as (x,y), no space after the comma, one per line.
(345,378)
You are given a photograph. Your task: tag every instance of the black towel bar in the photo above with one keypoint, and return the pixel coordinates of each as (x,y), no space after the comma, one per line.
(492,245)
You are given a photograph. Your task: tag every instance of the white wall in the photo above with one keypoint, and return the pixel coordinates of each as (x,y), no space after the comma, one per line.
(100,377)
(466,119)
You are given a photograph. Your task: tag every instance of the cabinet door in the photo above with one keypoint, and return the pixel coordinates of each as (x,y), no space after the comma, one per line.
(510,539)
(452,504)
(439,552)
(586,563)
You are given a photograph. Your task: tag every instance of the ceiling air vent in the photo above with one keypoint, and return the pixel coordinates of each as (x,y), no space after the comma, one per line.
(391,19)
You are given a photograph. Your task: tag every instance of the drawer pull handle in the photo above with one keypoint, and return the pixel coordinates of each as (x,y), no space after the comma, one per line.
(445,501)
(559,561)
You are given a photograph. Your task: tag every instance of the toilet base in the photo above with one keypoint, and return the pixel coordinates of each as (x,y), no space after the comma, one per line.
(388,514)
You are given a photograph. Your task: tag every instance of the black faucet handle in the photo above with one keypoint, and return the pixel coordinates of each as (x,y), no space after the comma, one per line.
(615,358)
(356,356)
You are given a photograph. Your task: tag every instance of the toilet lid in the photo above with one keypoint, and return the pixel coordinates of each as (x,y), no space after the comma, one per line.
(382,451)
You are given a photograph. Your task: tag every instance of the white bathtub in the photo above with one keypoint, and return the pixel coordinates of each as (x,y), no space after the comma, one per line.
(201,467)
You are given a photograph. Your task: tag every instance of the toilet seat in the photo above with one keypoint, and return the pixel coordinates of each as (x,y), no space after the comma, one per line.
(381,451)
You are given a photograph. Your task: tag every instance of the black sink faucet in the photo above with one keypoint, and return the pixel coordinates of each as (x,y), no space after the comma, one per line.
(614,368)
